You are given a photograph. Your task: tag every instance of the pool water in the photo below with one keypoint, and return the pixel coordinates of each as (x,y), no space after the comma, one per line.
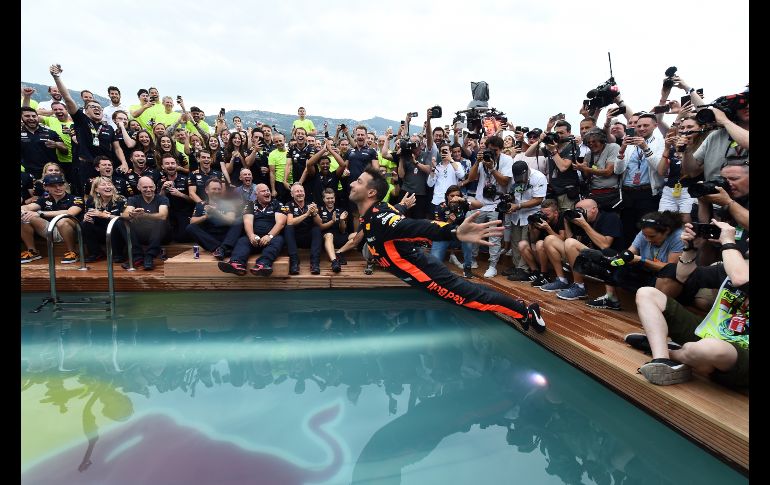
(363,387)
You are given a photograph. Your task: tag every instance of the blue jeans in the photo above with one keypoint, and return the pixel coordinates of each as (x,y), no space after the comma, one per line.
(439,249)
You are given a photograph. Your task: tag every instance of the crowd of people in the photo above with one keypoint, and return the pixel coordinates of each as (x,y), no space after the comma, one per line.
(644,205)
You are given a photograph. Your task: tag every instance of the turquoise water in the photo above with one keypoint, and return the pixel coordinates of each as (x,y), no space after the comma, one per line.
(364,387)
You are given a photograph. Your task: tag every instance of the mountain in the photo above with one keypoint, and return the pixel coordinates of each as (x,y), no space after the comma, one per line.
(282,121)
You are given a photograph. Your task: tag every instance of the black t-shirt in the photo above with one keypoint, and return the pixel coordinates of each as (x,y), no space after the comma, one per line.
(177,204)
(199,179)
(319,182)
(264,217)
(33,150)
(119,181)
(115,208)
(27,183)
(296,211)
(606,224)
(48,204)
(132,179)
(299,158)
(558,180)
(326,216)
(94,137)
(556,228)
(359,159)
(260,160)
(152,207)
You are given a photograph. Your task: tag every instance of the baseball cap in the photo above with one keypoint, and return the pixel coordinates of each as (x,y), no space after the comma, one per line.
(534,132)
(53,179)
(519,170)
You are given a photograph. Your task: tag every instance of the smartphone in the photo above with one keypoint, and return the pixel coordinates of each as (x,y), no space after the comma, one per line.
(413,115)
(402,122)
(707,231)
(661,109)
(517,144)
(221,111)
(700,92)
(630,132)
(685,99)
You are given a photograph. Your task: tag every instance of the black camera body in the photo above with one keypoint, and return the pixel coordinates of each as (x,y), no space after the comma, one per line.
(668,82)
(521,129)
(593,262)
(572,214)
(435,112)
(407,145)
(490,190)
(729,104)
(706,231)
(603,95)
(506,200)
(709,187)
(459,208)
(488,156)
(551,138)
(538,217)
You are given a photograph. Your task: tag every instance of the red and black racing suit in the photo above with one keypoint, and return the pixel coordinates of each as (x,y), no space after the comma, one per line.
(391,239)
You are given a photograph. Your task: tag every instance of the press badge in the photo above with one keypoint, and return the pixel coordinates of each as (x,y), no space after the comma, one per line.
(96,141)
(677,192)
(637,178)
(416,170)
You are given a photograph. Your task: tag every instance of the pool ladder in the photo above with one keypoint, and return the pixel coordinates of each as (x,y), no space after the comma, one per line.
(85,304)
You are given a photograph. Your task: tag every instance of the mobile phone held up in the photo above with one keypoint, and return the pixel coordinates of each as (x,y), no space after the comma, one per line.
(630,132)
(413,114)
(221,111)
(661,109)
(706,231)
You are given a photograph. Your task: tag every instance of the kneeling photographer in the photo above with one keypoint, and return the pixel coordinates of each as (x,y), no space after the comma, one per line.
(586,227)
(654,252)
(453,210)
(543,223)
(526,192)
(493,172)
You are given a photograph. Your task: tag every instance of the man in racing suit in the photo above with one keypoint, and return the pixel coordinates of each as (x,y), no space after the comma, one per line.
(391,240)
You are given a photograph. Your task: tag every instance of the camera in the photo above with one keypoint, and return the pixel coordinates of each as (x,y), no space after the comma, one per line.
(343,126)
(518,143)
(729,104)
(521,129)
(407,146)
(538,217)
(593,262)
(506,200)
(178,99)
(489,191)
(488,155)
(151,122)
(668,82)
(603,95)
(435,112)
(551,138)
(459,208)
(572,214)
(221,111)
(709,187)
(706,231)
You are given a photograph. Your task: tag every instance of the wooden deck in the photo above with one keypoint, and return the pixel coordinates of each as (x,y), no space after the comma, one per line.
(711,415)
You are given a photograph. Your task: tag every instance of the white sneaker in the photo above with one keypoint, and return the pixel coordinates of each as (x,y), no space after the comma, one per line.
(453,259)
(474,265)
(491,272)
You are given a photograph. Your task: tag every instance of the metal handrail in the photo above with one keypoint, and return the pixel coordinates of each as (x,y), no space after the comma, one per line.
(108,242)
(52,259)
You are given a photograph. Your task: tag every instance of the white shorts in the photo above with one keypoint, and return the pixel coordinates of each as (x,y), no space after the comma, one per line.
(682,204)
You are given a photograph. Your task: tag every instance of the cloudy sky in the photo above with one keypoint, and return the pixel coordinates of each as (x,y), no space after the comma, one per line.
(361,59)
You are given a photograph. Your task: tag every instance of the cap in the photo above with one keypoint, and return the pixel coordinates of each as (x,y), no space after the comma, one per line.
(53,179)
(195,109)
(519,170)
(534,132)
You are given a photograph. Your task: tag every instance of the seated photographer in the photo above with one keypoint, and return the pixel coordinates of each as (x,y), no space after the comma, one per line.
(717,345)
(546,222)
(453,210)
(525,195)
(586,227)
(598,168)
(655,249)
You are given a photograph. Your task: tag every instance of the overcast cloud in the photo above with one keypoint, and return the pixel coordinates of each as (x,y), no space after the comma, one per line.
(361,59)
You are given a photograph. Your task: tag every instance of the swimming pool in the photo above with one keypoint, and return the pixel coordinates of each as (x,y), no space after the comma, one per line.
(381,386)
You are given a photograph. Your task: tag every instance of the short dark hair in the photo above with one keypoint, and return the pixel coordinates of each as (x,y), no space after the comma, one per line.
(450,189)
(620,123)
(114,113)
(550,204)
(589,118)
(495,141)
(650,116)
(438,128)
(98,159)
(378,183)
(564,123)
(113,88)
(85,91)
(141,92)
(28,108)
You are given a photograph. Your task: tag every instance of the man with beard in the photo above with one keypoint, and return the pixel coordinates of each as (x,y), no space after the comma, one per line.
(114,94)
(38,143)
(318,175)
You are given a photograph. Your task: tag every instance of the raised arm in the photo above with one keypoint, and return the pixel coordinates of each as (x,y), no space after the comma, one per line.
(56,71)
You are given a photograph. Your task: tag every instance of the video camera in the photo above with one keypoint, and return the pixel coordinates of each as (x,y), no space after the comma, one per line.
(601,264)
(668,82)
(604,94)
(729,104)
(708,187)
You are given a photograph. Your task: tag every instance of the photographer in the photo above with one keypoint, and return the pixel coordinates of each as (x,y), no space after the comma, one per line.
(598,169)
(586,227)
(528,191)
(730,141)
(537,161)
(546,222)
(655,248)
(717,345)
(641,182)
(493,170)
(562,151)
(453,210)
(445,174)
(414,165)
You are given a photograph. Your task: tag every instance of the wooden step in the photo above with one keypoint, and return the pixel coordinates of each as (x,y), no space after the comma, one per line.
(185,265)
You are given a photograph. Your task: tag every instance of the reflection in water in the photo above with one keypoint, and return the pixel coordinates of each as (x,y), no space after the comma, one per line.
(430,370)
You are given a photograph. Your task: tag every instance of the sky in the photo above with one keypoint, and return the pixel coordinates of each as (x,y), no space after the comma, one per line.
(360,59)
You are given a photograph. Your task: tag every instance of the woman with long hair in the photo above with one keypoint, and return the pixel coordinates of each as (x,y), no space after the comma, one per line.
(166,146)
(146,144)
(235,154)
(217,152)
(103,205)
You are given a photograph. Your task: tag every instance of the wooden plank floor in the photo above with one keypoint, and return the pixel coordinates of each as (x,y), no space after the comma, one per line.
(591,339)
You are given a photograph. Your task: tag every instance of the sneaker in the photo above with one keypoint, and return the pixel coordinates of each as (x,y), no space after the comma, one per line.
(639,342)
(519,275)
(219,253)
(293,265)
(468,273)
(233,267)
(369,268)
(341,259)
(261,269)
(555,285)
(315,268)
(453,259)
(336,266)
(604,302)
(491,272)
(474,265)
(574,292)
(149,264)
(69,257)
(539,281)
(30,255)
(664,372)
(95,257)
(533,318)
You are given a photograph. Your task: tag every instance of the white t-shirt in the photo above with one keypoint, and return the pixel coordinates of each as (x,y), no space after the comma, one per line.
(443,177)
(109,109)
(536,187)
